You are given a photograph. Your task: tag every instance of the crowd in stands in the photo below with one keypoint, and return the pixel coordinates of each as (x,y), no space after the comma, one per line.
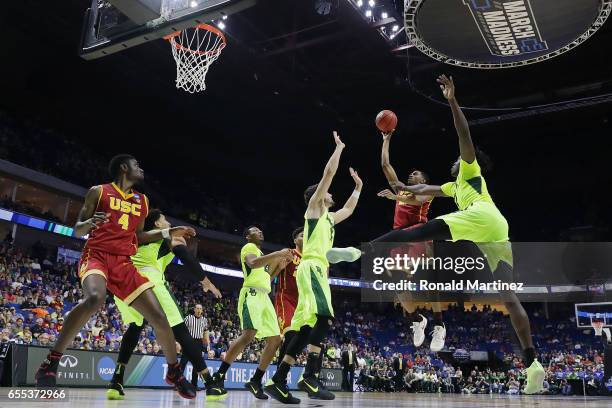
(36,296)
(29,144)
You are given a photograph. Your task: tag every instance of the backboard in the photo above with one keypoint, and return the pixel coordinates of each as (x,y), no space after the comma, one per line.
(111,26)
(586,313)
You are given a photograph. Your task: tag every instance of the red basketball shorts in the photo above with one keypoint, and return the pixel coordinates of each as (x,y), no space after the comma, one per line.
(285,308)
(122,277)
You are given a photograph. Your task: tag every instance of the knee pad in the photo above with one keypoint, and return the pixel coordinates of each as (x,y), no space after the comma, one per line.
(298,341)
(320,330)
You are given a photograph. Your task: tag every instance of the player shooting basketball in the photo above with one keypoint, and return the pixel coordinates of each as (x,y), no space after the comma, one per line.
(411,211)
(314,312)
(478,220)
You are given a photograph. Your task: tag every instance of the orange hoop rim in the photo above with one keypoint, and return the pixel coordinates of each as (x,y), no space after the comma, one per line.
(200,26)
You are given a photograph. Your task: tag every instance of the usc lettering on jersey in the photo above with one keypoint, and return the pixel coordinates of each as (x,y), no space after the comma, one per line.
(118,235)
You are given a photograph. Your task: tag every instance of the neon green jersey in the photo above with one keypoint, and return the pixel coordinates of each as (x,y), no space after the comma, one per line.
(469,187)
(154,255)
(318,238)
(256,277)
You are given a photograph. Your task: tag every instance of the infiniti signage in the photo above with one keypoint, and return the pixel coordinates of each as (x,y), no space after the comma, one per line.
(68,360)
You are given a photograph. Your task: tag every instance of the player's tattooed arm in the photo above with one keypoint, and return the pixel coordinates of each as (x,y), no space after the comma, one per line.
(384,159)
(466,147)
(350,205)
(421,189)
(88,217)
(254,261)
(315,205)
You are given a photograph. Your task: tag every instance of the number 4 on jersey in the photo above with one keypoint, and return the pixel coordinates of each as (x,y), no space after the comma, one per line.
(124,221)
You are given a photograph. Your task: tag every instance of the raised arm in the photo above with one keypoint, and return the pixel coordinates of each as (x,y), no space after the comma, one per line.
(421,189)
(390,174)
(328,175)
(409,199)
(466,147)
(346,211)
(88,218)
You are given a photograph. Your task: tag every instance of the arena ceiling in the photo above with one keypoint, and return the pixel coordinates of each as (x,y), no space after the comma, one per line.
(288,77)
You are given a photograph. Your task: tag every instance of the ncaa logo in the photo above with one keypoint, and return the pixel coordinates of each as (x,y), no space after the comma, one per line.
(69,361)
(106,368)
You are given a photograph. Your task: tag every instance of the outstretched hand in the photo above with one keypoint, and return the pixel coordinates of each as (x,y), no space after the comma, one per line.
(182,231)
(98,218)
(208,286)
(387,194)
(339,142)
(387,135)
(447,86)
(356,178)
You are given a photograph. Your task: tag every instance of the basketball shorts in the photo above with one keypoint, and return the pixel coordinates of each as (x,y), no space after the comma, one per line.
(483,224)
(285,308)
(256,312)
(122,278)
(163,294)
(314,294)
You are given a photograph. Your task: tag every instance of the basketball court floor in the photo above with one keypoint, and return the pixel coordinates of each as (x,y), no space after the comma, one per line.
(149,398)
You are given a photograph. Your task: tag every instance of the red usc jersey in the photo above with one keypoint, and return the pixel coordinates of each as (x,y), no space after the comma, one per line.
(286,290)
(407,215)
(126,211)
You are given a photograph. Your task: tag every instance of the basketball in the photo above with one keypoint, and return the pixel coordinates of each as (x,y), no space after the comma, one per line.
(386,121)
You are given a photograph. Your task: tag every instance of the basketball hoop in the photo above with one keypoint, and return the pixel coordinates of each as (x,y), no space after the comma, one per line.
(194,50)
(598,327)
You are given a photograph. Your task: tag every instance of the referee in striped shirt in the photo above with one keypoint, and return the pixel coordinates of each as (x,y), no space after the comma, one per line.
(196,324)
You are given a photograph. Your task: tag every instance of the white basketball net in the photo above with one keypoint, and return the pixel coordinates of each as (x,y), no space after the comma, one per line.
(194,50)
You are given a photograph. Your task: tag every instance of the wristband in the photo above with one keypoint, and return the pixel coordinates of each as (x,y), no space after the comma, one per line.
(165,233)
(356,194)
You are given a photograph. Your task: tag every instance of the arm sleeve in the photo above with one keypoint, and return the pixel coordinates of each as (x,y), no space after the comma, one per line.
(448,189)
(192,266)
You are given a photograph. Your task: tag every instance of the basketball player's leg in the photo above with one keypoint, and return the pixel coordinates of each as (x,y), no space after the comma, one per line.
(129,341)
(522,328)
(268,329)
(258,313)
(148,306)
(146,303)
(313,316)
(285,311)
(246,337)
(249,314)
(136,290)
(433,230)
(94,290)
